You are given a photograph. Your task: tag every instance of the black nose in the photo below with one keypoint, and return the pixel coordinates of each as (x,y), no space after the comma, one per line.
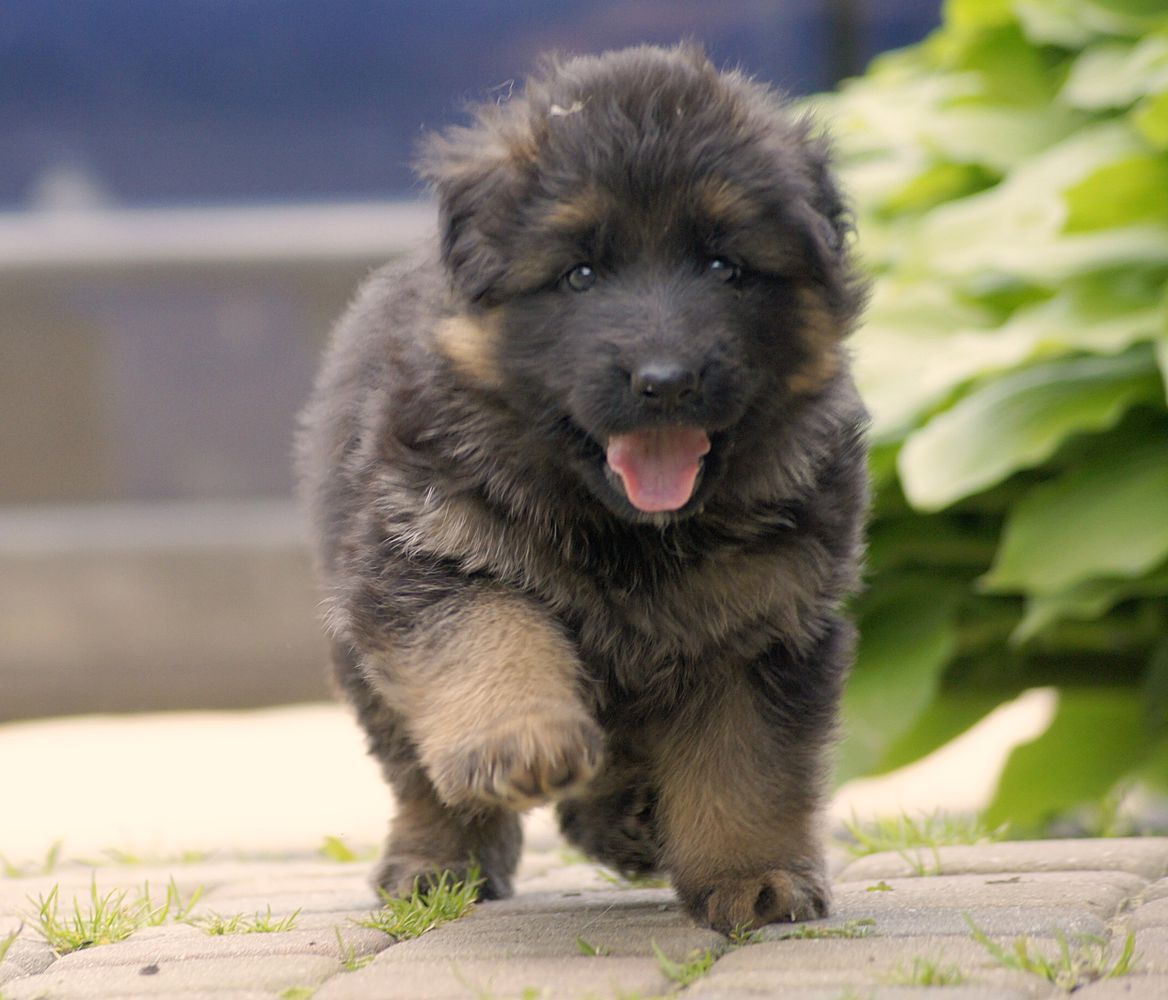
(664,384)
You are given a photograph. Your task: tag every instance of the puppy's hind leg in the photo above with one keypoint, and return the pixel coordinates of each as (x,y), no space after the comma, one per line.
(614,820)
(427,838)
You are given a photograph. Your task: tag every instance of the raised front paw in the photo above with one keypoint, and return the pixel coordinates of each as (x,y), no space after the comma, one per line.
(736,903)
(519,762)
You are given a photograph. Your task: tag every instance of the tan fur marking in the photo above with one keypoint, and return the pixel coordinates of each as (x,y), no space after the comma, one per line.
(522,146)
(724,203)
(489,696)
(470,342)
(584,212)
(821,338)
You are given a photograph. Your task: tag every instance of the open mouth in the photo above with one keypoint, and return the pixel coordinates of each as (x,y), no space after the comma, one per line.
(658,467)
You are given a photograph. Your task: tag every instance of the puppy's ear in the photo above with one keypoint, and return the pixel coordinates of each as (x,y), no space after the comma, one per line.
(827,225)
(477,173)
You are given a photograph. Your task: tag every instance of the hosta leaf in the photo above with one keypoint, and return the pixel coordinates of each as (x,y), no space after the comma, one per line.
(906,639)
(941,542)
(1117,74)
(1055,22)
(1103,313)
(1017,421)
(968,15)
(1015,227)
(1161,342)
(908,353)
(1129,191)
(1162,359)
(949,715)
(1097,737)
(940,182)
(1085,601)
(1108,517)
(1154,770)
(1150,119)
(920,342)
(1074,23)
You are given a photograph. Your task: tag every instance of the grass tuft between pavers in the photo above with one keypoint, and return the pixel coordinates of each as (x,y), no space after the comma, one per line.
(216,924)
(927,972)
(404,917)
(1079,961)
(107,919)
(917,841)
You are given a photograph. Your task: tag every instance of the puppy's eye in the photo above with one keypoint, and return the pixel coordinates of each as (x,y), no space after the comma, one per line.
(723,270)
(580,278)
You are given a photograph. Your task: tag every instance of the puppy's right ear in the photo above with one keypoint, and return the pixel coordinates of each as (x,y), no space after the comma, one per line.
(477,172)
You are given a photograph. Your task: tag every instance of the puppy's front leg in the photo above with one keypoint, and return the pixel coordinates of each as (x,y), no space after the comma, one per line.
(741,778)
(487,687)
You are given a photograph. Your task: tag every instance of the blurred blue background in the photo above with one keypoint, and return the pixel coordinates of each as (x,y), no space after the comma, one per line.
(243,100)
(190,190)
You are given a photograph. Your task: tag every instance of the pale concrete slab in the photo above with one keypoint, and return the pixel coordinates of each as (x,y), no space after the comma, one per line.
(1099,893)
(465,979)
(748,992)
(1126,988)
(267,974)
(613,931)
(834,963)
(1143,856)
(166,945)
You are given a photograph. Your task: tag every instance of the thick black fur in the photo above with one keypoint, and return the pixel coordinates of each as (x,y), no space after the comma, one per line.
(444,471)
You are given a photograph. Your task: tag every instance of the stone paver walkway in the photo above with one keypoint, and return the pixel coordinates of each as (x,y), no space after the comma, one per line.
(571,932)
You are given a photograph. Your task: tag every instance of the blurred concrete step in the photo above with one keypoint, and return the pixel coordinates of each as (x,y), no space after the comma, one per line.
(117,608)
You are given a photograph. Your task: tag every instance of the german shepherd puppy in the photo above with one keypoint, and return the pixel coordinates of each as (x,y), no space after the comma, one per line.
(588,482)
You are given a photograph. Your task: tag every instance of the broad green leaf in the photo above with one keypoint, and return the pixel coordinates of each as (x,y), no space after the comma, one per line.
(1010,71)
(1123,193)
(1150,118)
(933,541)
(1097,737)
(920,342)
(1103,313)
(940,182)
(920,119)
(949,715)
(907,355)
(1155,690)
(1044,257)
(1161,341)
(1085,601)
(906,639)
(1054,22)
(1017,421)
(1154,770)
(1162,358)
(1107,517)
(972,15)
(1015,227)
(1117,74)
(998,137)
(1074,23)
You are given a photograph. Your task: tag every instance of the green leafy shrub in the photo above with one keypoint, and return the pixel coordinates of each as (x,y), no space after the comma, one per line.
(1010,176)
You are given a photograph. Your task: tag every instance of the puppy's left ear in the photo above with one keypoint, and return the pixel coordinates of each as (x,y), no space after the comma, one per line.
(477,174)
(828,228)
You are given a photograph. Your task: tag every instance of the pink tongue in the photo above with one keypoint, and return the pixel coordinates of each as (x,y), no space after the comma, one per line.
(659,465)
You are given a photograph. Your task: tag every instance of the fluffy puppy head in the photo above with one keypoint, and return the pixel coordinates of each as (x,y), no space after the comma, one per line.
(651,263)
